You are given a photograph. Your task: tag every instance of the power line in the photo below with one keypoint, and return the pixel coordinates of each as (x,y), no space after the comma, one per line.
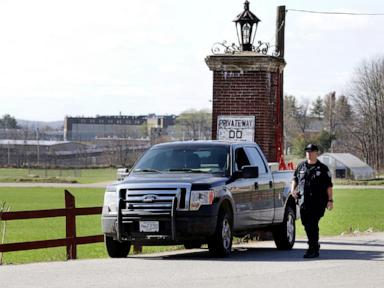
(336,13)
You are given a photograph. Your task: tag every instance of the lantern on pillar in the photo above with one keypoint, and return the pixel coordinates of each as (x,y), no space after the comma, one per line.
(246,26)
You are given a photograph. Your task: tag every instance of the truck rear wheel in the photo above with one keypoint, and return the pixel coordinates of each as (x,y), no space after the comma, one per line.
(285,234)
(117,249)
(221,242)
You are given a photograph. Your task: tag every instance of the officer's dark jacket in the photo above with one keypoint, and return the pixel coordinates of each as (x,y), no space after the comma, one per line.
(312,182)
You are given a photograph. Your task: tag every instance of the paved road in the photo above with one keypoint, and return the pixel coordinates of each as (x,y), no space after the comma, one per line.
(345,261)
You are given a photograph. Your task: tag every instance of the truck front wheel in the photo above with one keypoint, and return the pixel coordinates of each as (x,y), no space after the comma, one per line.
(221,242)
(117,249)
(192,245)
(285,234)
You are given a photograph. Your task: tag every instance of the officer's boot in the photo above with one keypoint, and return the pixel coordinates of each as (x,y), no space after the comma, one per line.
(312,252)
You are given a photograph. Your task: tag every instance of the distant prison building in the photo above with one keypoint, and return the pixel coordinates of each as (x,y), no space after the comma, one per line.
(132,127)
(43,153)
(24,153)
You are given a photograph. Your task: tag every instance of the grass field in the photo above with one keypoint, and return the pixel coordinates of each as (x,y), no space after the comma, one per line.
(85,176)
(57,175)
(21,199)
(371,182)
(355,209)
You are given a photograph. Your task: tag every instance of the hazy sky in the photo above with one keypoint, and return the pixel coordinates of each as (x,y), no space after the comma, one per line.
(88,57)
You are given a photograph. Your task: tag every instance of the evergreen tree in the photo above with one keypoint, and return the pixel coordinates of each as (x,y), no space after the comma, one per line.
(8,122)
(343,111)
(317,109)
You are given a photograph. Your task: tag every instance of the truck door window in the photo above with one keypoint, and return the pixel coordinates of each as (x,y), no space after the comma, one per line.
(241,158)
(255,159)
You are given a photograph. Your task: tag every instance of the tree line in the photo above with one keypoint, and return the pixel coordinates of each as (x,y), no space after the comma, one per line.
(352,122)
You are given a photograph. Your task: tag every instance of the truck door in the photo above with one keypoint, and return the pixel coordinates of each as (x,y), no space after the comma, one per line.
(263,195)
(242,190)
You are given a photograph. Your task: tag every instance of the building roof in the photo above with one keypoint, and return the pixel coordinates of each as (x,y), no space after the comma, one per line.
(32,142)
(359,168)
(347,159)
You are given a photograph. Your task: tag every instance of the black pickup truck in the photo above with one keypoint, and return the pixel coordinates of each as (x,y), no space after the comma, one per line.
(195,193)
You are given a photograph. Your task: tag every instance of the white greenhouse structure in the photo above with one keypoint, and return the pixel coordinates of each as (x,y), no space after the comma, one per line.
(346,165)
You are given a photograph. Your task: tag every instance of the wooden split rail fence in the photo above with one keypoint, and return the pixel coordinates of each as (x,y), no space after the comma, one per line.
(69,212)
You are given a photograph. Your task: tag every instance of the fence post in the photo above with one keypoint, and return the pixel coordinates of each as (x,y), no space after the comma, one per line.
(70,225)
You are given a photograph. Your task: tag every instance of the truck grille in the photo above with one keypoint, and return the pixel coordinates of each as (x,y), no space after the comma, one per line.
(154,200)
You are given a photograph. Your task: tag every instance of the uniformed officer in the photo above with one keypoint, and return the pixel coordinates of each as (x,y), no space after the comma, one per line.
(312,187)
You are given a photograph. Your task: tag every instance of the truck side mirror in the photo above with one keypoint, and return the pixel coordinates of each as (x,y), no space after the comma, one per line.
(122,173)
(250,171)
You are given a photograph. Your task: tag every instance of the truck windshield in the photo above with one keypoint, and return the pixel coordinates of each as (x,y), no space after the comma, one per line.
(188,158)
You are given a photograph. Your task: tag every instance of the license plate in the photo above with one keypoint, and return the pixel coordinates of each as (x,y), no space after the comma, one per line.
(149,226)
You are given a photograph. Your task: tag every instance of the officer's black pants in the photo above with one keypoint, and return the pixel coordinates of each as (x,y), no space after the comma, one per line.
(310,222)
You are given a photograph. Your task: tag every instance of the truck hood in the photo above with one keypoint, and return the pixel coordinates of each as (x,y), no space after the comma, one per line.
(205,179)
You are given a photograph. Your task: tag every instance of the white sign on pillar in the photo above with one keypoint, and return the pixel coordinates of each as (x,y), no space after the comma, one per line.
(236,128)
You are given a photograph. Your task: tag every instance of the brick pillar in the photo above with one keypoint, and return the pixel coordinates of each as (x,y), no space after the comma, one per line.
(249,84)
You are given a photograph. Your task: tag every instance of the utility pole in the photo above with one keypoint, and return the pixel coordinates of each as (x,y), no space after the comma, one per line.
(280,47)
(280,31)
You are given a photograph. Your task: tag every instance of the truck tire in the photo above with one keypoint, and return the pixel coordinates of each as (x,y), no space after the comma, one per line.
(192,245)
(220,243)
(117,249)
(284,235)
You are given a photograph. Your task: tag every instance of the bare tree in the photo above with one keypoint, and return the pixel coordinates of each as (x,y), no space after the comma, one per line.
(367,94)
(123,148)
(302,118)
(330,113)
(195,124)
(290,124)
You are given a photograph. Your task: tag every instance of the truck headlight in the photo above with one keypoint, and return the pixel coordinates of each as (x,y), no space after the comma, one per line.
(199,198)
(110,201)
